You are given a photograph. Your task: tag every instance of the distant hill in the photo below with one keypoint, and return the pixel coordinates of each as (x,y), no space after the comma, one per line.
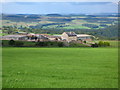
(54,15)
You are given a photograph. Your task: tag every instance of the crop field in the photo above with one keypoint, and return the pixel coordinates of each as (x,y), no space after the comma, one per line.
(60,67)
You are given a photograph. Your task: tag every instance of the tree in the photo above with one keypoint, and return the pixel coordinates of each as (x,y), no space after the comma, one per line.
(101,43)
(106,44)
(11,42)
(94,45)
(84,41)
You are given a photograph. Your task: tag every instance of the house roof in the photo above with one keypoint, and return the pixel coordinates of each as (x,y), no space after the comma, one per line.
(71,34)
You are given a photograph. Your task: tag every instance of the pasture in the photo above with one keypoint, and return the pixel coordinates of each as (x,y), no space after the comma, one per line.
(60,68)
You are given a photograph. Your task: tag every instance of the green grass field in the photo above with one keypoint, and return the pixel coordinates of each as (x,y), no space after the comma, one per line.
(60,68)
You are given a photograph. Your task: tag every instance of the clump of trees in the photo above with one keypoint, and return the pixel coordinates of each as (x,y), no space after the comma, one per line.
(94,45)
(50,44)
(11,42)
(100,44)
(103,44)
(15,43)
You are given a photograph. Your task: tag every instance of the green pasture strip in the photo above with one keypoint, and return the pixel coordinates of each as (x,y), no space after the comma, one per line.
(60,68)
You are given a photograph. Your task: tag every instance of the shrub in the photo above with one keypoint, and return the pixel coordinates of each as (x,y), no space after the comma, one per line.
(11,42)
(60,44)
(71,44)
(103,44)
(106,44)
(50,44)
(19,43)
(94,45)
(84,41)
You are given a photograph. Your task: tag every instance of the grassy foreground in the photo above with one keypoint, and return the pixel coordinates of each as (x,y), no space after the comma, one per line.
(60,68)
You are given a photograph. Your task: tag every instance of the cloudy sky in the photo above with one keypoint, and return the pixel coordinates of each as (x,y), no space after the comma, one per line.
(68,7)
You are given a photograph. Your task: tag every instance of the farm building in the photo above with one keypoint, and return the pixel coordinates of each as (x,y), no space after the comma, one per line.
(52,38)
(69,36)
(84,37)
(72,36)
(14,37)
(41,37)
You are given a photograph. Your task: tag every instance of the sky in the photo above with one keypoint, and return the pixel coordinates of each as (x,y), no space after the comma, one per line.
(60,1)
(76,7)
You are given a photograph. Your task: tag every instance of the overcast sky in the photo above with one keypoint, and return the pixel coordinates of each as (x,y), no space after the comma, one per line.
(30,7)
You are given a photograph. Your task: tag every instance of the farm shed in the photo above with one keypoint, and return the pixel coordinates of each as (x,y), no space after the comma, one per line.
(52,38)
(14,37)
(84,37)
(41,37)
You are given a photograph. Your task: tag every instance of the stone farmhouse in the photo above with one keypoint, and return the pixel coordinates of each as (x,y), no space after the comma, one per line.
(72,36)
(69,36)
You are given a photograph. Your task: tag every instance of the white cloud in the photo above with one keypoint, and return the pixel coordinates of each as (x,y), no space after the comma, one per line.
(116,1)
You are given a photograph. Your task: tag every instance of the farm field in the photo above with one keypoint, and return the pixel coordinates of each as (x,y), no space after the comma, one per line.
(60,68)
(61,22)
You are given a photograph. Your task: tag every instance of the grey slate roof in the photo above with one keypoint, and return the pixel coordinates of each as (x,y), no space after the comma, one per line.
(71,34)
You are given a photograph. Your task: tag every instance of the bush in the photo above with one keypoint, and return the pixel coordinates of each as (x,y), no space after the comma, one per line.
(72,44)
(19,43)
(11,42)
(94,45)
(103,44)
(84,41)
(50,44)
(106,44)
(60,44)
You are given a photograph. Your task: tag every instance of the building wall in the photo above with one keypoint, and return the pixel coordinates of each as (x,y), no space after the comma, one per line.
(73,38)
(67,38)
(88,38)
(52,39)
(64,36)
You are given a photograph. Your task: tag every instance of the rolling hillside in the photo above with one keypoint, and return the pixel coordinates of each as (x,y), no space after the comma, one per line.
(99,25)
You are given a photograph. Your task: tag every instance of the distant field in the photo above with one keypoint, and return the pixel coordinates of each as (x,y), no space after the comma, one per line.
(73,22)
(18,24)
(1,34)
(60,68)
